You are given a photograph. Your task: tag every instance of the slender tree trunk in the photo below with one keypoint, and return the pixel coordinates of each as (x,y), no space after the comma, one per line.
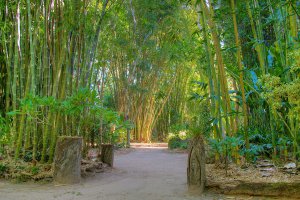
(241,72)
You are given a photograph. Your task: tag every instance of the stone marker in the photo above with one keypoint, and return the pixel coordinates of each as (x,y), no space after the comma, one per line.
(107,154)
(196,176)
(67,160)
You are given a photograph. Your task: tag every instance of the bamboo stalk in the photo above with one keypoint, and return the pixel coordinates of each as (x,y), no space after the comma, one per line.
(241,73)
(221,68)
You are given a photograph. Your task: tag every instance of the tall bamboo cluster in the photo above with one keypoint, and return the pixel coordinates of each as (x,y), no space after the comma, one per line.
(48,49)
(145,75)
(266,49)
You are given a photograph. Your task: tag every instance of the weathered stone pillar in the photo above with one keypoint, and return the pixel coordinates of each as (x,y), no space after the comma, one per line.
(107,154)
(196,176)
(67,160)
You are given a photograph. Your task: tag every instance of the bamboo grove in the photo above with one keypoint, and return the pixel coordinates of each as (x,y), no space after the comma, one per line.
(47,56)
(100,68)
(252,52)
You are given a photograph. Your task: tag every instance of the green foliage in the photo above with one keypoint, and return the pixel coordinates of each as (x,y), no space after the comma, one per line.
(175,142)
(253,152)
(260,146)
(3,168)
(35,170)
(179,137)
(215,147)
(28,156)
(75,106)
(225,147)
(5,137)
(284,100)
(179,130)
(199,123)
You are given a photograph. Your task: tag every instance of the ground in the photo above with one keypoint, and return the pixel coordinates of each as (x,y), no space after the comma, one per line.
(139,174)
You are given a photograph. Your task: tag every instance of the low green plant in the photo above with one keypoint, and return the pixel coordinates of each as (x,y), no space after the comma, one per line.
(35,170)
(5,138)
(28,156)
(179,137)
(3,168)
(224,148)
(215,147)
(179,129)
(175,142)
(253,152)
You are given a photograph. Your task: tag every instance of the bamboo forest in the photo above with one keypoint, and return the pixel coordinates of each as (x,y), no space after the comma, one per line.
(149,99)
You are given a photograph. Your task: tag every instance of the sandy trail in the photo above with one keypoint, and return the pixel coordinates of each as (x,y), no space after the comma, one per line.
(144,174)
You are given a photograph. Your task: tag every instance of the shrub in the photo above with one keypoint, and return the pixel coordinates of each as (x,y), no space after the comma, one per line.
(35,170)
(3,169)
(175,142)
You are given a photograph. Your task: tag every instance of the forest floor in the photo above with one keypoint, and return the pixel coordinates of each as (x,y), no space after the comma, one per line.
(141,173)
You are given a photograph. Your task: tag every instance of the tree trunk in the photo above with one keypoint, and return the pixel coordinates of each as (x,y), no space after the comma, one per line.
(67,160)
(107,154)
(196,177)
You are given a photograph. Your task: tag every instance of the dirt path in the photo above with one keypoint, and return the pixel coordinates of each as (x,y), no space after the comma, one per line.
(143,174)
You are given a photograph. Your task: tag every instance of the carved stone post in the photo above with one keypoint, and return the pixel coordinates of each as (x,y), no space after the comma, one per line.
(67,160)
(196,176)
(107,154)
